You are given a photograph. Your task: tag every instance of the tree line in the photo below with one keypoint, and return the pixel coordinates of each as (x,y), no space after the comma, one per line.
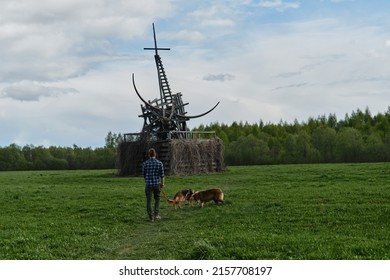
(29,157)
(359,137)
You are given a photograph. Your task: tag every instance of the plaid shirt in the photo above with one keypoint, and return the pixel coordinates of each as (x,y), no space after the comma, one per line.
(153,172)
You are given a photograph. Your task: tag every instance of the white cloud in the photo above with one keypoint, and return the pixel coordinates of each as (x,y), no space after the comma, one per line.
(279,5)
(184,35)
(218,77)
(276,72)
(339,1)
(33,91)
(220,16)
(50,40)
(218,23)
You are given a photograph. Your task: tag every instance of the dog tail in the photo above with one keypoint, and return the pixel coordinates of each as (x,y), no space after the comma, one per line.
(220,196)
(170,201)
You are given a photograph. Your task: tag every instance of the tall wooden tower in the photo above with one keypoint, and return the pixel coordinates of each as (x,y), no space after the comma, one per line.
(165,128)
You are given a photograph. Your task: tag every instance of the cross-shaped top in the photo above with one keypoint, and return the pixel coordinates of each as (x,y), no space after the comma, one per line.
(155,44)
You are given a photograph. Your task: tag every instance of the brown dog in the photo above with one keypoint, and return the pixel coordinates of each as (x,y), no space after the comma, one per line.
(180,196)
(208,195)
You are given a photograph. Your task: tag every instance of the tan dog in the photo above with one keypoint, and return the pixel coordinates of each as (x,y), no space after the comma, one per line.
(180,196)
(208,195)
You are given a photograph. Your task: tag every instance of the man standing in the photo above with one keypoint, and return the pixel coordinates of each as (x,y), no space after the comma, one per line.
(153,171)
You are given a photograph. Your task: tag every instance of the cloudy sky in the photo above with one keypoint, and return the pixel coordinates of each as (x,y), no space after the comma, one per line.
(66,65)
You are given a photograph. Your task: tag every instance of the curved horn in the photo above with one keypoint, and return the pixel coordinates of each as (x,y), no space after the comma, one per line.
(198,116)
(136,91)
(171,115)
(140,97)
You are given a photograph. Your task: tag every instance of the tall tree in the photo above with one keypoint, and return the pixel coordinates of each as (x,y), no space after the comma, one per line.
(349,145)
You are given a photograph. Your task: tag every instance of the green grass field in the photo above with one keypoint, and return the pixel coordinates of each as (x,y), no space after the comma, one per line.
(327,211)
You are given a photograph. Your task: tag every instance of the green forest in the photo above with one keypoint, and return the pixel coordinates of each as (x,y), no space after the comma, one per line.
(29,157)
(359,137)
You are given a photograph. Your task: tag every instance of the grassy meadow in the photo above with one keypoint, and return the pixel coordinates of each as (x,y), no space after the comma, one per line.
(324,211)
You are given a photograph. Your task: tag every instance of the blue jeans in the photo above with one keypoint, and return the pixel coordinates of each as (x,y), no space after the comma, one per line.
(155,191)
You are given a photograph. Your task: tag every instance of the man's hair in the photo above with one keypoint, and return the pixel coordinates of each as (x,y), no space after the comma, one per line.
(152,153)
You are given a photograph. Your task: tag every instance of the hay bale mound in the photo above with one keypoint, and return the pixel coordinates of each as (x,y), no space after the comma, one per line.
(179,156)
(130,156)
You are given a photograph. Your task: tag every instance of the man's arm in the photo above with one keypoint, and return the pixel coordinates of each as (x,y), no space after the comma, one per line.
(162,176)
(162,182)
